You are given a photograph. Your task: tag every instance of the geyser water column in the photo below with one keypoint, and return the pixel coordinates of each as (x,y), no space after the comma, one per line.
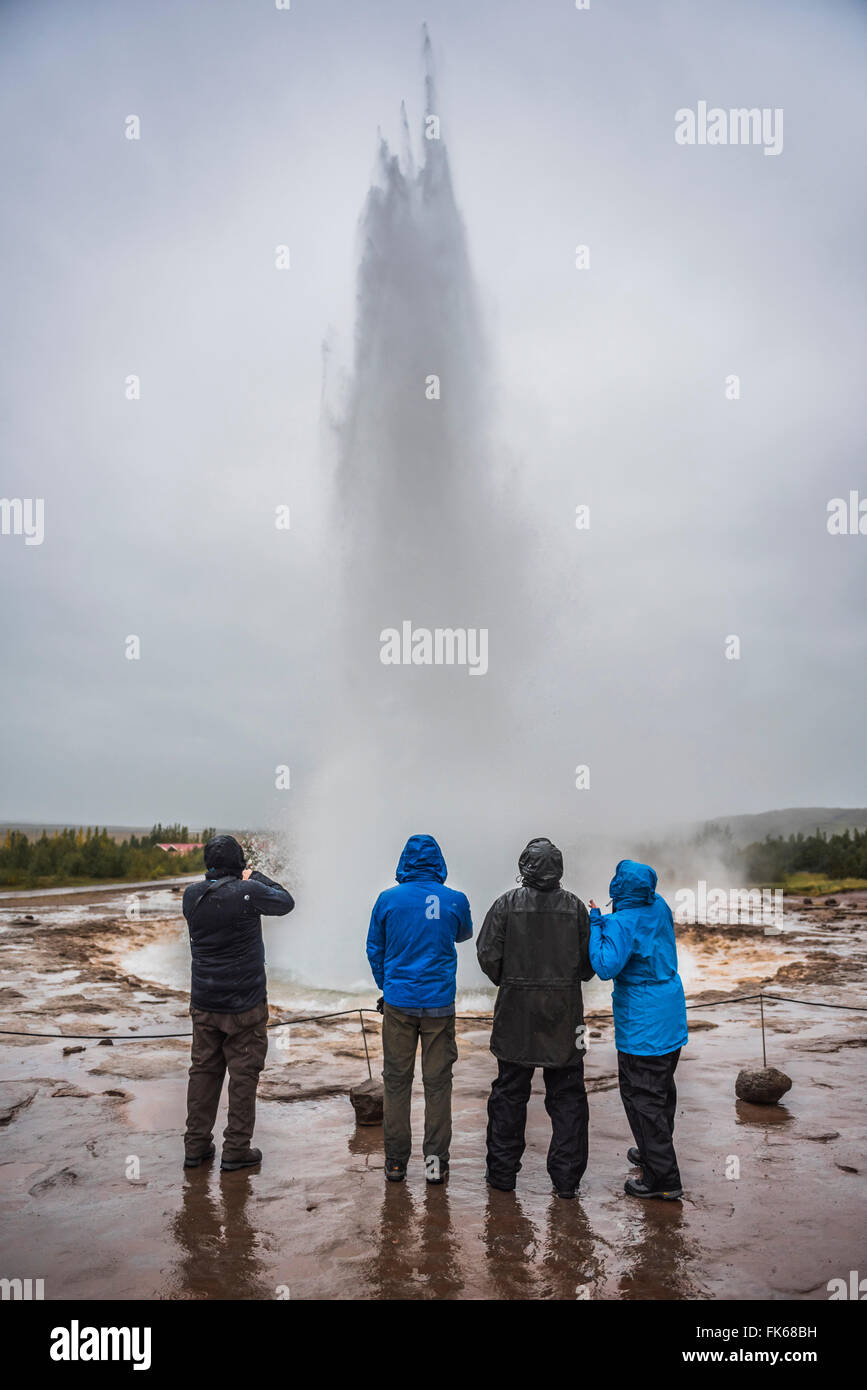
(418,539)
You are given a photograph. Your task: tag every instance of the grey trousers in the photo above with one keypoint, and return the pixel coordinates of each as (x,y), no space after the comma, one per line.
(236,1043)
(400,1038)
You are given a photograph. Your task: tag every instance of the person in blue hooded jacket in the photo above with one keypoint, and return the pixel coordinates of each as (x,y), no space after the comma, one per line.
(411,946)
(634,946)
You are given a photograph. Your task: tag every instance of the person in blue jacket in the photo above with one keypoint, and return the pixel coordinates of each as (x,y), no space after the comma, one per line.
(634,946)
(414,928)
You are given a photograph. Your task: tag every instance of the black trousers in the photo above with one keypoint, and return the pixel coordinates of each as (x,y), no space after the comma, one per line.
(566,1103)
(649,1098)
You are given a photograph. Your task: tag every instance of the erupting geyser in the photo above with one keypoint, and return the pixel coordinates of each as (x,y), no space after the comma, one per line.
(424,584)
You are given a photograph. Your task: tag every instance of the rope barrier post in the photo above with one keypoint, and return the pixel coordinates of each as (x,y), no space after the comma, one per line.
(364,1039)
(762,1012)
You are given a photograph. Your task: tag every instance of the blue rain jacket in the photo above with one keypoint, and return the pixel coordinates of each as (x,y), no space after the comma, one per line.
(414,928)
(634,946)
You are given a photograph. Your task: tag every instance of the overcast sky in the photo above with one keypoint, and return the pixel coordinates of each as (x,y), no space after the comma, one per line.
(155,257)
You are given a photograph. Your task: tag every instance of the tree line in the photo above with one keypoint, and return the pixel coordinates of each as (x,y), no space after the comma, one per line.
(90,854)
(841,855)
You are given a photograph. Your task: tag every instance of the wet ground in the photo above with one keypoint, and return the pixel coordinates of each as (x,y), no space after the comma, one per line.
(94,1201)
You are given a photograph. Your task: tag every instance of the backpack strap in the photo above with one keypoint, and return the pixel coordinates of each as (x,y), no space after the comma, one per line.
(209,888)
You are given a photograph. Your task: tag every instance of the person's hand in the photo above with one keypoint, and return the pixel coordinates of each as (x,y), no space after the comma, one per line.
(594,905)
(246,873)
(380,1005)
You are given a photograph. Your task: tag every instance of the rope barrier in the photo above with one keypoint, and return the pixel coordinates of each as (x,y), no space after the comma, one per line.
(459,1018)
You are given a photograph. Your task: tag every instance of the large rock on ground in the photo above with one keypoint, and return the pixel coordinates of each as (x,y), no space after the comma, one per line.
(762,1085)
(367,1102)
(14,1098)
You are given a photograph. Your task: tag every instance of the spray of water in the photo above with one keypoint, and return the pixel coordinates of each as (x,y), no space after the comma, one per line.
(417,532)
(421,528)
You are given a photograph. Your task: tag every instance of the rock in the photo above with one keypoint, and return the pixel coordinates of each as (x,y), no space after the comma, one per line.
(151,1066)
(64,1178)
(105,1042)
(822,1138)
(830,902)
(762,1085)
(367,1102)
(68,1051)
(14,1098)
(71,1090)
(808,902)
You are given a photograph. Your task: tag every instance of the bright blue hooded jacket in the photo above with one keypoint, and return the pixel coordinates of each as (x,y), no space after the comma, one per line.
(414,928)
(634,946)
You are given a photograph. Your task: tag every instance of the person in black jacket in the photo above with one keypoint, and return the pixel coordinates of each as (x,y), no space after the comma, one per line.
(228,1000)
(534,944)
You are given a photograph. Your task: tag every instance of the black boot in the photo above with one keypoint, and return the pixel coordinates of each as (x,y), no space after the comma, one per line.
(195,1160)
(249,1159)
(395,1169)
(499,1186)
(633,1188)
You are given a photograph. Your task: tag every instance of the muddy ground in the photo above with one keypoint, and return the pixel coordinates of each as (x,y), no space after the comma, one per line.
(93,1198)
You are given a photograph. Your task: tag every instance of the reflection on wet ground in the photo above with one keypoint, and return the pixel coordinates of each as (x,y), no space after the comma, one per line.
(318,1220)
(658,1254)
(417,1252)
(216,1240)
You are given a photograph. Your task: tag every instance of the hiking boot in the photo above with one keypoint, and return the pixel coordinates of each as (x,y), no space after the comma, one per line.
(633,1188)
(436,1169)
(634,1157)
(195,1160)
(395,1169)
(498,1186)
(248,1159)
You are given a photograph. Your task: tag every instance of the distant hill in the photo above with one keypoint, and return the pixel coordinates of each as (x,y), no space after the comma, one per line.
(33,829)
(746,830)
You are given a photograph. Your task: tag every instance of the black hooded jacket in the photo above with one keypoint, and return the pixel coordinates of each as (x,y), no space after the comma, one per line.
(223,916)
(534,944)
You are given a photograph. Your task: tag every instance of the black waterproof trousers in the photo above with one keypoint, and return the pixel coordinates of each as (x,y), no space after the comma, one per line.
(649,1098)
(566,1103)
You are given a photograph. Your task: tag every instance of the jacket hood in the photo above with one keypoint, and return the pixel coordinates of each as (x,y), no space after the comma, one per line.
(541,865)
(422,858)
(633,884)
(223,856)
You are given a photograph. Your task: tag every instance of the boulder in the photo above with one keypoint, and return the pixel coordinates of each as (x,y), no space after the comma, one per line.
(830,902)
(808,902)
(762,1085)
(13,1098)
(367,1102)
